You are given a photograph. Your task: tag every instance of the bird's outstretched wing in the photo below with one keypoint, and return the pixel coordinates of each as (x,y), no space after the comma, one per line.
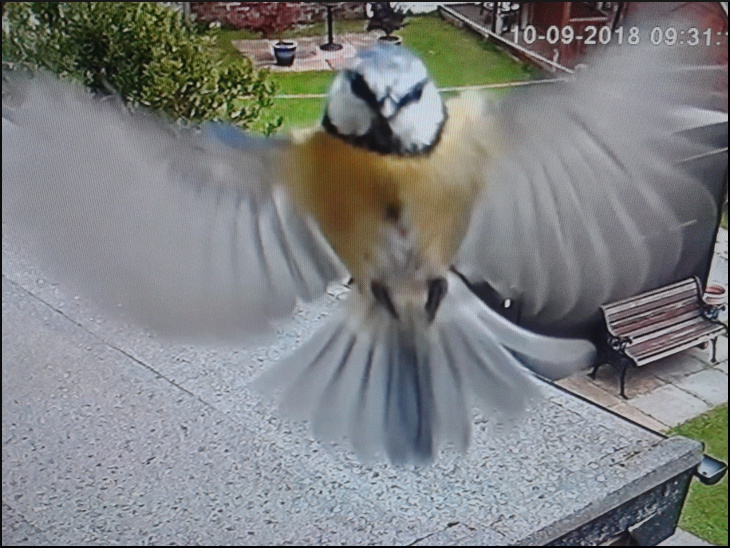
(589,200)
(189,231)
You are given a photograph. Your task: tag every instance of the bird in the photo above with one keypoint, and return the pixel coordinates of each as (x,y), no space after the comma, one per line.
(561,196)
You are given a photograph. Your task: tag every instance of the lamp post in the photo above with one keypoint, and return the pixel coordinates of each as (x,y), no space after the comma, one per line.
(330,45)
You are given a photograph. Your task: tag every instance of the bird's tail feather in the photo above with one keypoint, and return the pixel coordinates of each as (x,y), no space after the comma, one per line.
(405,389)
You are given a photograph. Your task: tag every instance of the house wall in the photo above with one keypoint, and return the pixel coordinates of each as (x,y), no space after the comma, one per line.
(701,15)
(238,14)
(244,14)
(646,15)
(423,7)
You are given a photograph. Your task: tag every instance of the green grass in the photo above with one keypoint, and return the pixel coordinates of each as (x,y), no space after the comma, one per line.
(298,113)
(225,37)
(453,56)
(297,83)
(457,57)
(705,511)
(723,221)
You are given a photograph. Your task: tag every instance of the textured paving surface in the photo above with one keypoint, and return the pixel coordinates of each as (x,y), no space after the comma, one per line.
(112,436)
(670,405)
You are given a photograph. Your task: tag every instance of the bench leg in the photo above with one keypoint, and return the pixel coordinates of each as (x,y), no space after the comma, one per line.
(714,350)
(623,381)
(601,359)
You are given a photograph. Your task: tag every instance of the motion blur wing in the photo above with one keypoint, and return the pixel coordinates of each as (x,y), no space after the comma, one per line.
(189,231)
(592,198)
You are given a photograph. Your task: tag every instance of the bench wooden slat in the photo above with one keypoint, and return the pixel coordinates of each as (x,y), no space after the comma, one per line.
(655,315)
(650,296)
(631,302)
(648,324)
(657,324)
(648,307)
(671,336)
(672,330)
(682,344)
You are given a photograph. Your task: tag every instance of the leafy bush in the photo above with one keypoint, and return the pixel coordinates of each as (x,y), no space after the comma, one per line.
(146,52)
(271,19)
(386,18)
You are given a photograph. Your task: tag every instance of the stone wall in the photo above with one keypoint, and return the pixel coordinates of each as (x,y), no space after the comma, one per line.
(246,14)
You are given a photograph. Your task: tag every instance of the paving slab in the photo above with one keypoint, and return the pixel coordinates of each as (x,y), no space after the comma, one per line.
(705,354)
(670,405)
(719,270)
(111,436)
(631,412)
(583,385)
(721,246)
(709,385)
(639,380)
(678,366)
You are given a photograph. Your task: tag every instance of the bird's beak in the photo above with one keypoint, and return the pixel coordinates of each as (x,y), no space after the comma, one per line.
(388,107)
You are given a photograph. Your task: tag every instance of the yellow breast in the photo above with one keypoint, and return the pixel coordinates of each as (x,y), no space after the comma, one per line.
(353,193)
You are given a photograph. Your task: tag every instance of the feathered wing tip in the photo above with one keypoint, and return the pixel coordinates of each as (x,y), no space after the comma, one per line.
(406,391)
(191,233)
(591,187)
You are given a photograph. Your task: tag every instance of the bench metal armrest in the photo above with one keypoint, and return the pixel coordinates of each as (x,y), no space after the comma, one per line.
(712,312)
(618,343)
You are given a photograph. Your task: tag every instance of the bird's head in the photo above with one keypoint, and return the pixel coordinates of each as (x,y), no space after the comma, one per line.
(386,102)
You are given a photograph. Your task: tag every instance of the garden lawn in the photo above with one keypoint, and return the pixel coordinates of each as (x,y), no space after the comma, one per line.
(453,56)
(298,113)
(705,511)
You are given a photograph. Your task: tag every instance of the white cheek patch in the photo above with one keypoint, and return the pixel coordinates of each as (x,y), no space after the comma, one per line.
(411,130)
(399,74)
(349,114)
(418,123)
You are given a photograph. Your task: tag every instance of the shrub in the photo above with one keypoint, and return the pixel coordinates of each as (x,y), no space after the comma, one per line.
(386,18)
(146,52)
(272,19)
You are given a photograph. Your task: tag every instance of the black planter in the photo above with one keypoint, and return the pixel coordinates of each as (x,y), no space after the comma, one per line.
(392,39)
(285,53)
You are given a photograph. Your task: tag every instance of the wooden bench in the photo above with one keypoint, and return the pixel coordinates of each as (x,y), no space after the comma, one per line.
(656,324)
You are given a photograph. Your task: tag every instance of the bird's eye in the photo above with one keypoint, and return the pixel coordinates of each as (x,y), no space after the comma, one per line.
(412,96)
(362,90)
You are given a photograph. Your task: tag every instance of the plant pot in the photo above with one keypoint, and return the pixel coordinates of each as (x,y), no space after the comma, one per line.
(392,39)
(714,295)
(285,52)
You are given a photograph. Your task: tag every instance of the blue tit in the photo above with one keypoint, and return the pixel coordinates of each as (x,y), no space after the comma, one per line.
(564,197)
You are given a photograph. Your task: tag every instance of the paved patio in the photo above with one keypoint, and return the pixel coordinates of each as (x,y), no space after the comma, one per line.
(309,56)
